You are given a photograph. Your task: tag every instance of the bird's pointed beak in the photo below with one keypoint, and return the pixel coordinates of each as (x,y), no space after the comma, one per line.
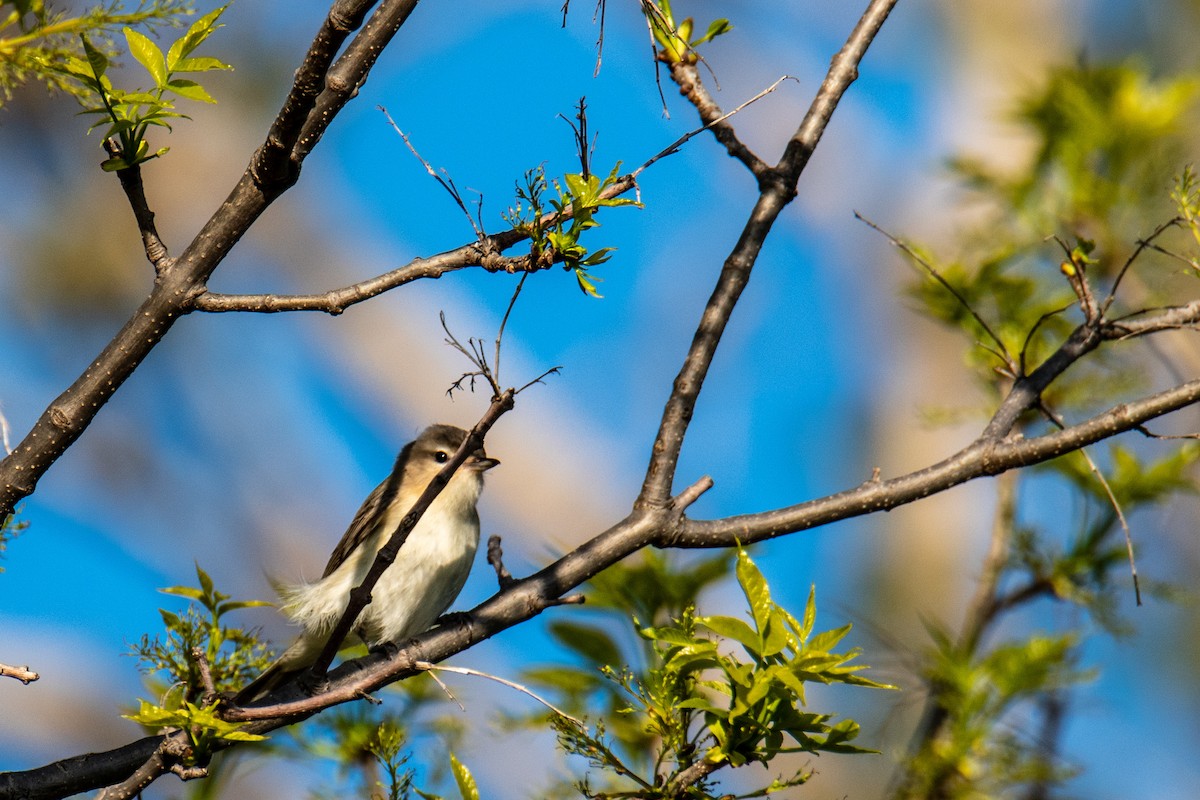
(482,463)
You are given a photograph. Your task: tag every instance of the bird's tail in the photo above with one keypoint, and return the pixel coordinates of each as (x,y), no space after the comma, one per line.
(295,660)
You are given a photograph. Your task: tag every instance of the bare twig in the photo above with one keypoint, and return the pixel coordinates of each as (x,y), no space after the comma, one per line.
(1053,416)
(1141,245)
(504,322)
(206,679)
(713,119)
(1001,351)
(4,433)
(428,667)
(446,183)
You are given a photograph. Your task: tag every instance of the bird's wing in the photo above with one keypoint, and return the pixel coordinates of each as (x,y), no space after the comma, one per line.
(369,513)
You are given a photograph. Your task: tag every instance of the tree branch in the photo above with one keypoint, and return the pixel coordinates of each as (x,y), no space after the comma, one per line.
(272,164)
(178,283)
(982,457)
(773,197)
(135,191)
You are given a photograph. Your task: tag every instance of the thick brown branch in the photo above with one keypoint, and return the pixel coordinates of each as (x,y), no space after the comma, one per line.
(843,71)
(272,163)
(981,458)
(349,72)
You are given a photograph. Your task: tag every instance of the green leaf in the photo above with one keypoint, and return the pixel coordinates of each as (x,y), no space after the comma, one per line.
(189,89)
(96,60)
(199,64)
(733,628)
(147,54)
(755,588)
(200,30)
(586,286)
(462,776)
(715,28)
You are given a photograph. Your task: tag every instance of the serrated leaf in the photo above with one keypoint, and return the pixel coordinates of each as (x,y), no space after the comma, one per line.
(147,54)
(200,30)
(754,586)
(464,779)
(733,628)
(589,641)
(97,61)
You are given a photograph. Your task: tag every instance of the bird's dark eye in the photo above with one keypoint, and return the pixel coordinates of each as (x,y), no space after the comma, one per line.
(441,456)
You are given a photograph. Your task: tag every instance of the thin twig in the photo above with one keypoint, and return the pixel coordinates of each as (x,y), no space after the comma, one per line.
(504,322)
(446,183)
(674,146)
(445,689)
(1051,415)
(428,667)
(1141,245)
(933,272)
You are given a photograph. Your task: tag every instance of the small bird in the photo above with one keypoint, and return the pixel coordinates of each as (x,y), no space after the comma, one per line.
(420,584)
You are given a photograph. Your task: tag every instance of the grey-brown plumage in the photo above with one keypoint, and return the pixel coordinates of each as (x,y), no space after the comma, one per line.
(425,578)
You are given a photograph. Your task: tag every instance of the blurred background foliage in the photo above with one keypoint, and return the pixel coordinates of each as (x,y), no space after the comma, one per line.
(976,131)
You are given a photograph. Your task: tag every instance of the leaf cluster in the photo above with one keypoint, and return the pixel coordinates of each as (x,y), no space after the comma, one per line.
(1093,182)
(373,745)
(556,239)
(980,753)
(234,655)
(128,115)
(702,706)
(35,41)
(675,43)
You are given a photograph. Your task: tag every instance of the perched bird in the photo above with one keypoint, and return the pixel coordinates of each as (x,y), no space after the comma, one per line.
(420,584)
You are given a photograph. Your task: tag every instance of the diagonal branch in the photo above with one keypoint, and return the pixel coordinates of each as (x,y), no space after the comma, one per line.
(981,458)
(180,282)
(272,163)
(349,72)
(735,274)
(843,71)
